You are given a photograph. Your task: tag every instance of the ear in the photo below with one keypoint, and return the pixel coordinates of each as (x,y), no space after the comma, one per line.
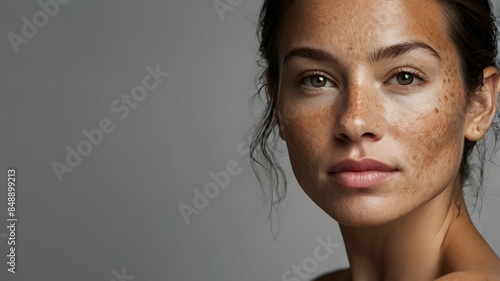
(482,105)
(272,91)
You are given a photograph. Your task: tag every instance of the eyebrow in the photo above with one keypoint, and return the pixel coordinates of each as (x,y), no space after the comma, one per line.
(388,52)
(402,48)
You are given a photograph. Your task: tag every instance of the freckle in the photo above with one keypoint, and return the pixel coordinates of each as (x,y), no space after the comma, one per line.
(436,110)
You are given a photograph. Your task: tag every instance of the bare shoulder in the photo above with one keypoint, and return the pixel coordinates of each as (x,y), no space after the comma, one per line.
(470,276)
(337,275)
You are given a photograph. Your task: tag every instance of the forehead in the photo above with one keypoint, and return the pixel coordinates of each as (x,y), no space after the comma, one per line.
(361,26)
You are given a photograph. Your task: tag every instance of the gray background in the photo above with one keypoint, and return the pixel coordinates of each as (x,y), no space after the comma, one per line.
(119,208)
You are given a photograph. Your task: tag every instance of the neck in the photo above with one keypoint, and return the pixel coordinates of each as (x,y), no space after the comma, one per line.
(411,247)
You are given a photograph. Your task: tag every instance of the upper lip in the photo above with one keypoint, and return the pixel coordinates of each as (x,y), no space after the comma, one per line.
(366,164)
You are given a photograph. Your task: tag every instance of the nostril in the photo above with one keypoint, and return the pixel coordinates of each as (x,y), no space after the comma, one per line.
(346,137)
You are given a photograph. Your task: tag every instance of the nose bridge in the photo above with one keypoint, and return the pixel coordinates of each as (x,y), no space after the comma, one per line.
(359,115)
(360,100)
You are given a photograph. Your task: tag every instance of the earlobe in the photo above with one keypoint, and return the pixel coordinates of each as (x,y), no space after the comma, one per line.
(482,105)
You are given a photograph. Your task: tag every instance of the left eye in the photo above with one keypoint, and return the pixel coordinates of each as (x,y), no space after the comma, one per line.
(405,78)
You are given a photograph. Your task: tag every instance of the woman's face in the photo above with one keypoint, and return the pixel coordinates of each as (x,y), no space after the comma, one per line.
(371,79)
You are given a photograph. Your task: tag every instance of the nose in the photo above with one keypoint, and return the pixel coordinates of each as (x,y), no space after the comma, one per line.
(359,115)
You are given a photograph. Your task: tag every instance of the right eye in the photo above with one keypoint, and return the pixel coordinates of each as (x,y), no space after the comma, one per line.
(316,81)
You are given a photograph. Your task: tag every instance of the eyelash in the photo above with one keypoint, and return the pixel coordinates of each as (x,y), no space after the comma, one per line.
(413,72)
(311,75)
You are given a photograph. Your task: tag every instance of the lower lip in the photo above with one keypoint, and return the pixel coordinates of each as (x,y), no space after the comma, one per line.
(364,179)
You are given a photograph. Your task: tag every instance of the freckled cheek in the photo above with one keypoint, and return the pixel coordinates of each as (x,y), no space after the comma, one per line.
(308,132)
(433,136)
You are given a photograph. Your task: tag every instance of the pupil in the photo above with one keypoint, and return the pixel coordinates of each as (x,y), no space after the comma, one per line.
(319,81)
(405,78)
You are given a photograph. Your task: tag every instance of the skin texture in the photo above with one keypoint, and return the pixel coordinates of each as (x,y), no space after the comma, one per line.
(415,225)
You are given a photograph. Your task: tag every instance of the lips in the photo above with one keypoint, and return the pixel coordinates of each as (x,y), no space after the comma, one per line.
(361,174)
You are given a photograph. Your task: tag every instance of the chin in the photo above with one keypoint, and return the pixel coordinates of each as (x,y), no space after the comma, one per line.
(363,211)
(362,221)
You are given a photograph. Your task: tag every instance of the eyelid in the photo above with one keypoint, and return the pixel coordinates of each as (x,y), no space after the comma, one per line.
(315,73)
(410,70)
(418,74)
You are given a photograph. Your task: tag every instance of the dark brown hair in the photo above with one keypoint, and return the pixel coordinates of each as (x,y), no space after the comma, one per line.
(471,28)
